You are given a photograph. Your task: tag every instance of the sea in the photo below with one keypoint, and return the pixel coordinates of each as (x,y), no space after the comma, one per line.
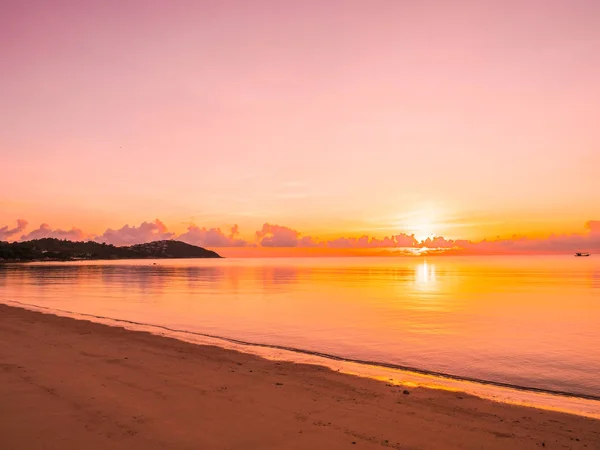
(524,329)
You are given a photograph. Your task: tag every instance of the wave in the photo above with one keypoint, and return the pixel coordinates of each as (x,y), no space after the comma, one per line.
(331,356)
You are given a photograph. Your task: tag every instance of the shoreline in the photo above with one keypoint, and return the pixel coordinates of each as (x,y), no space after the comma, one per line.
(73,383)
(157,258)
(246,345)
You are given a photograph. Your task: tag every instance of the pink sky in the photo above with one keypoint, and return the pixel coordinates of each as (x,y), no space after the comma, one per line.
(465,119)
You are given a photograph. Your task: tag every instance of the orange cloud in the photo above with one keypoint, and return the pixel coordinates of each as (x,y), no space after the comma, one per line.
(589,241)
(146,232)
(45,231)
(212,237)
(6,232)
(277,236)
(272,236)
(280,236)
(593,226)
(400,240)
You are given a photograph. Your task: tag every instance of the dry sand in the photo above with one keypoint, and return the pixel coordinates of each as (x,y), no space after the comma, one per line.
(72,384)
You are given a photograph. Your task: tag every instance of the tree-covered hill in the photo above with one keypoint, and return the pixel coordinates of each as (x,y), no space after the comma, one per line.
(50,249)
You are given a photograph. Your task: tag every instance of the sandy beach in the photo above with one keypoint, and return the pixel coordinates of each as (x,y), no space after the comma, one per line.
(75,384)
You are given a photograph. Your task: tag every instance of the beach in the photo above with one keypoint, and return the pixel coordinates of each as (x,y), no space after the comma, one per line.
(72,384)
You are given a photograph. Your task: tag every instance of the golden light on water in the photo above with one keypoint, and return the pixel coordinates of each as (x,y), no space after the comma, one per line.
(425,294)
(425,274)
(438,313)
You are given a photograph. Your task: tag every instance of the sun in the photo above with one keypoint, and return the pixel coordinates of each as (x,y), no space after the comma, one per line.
(423,224)
(423,231)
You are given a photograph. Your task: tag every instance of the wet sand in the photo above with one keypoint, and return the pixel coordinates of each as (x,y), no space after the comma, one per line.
(74,384)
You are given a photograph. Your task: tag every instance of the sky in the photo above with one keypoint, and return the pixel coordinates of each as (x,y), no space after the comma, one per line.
(466,120)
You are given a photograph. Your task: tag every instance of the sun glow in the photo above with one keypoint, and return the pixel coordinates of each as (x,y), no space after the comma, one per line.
(423,224)
(423,231)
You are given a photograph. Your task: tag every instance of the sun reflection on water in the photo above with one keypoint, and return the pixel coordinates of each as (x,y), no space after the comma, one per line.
(425,276)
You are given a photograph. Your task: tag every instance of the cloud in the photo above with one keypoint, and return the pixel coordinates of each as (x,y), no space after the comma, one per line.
(272,235)
(405,240)
(310,242)
(5,232)
(555,243)
(45,231)
(212,237)
(593,226)
(343,242)
(398,241)
(130,235)
(277,236)
(280,236)
(442,243)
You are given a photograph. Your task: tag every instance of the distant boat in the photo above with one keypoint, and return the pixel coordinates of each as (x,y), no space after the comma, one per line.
(582,254)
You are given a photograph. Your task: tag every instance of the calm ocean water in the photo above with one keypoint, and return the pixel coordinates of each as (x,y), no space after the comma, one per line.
(528,321)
